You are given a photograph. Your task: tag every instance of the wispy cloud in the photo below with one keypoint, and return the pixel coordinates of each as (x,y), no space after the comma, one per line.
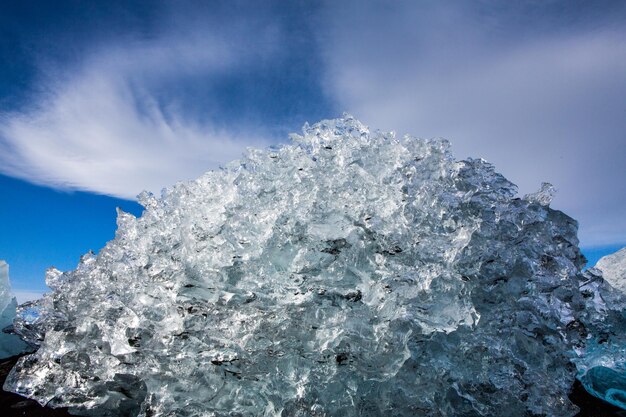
(537,92)
(112,125)
(536,87)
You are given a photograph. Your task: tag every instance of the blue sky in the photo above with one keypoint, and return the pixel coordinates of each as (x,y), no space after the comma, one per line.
(101,100)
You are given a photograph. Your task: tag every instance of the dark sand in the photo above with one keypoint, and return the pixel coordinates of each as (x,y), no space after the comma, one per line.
(12,405)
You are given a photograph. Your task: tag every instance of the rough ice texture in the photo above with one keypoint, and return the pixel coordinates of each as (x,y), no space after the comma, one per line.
(10,344)
(347,274)
(613,269)
(602,365)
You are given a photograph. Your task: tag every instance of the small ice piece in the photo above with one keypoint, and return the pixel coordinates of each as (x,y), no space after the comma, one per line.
(10,344)
(602,361)
(607,384)
(544,196)
(613,269)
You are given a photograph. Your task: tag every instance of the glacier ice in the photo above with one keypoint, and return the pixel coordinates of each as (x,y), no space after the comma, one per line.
(350,273)
(613,268)
(602,366)
(10,344)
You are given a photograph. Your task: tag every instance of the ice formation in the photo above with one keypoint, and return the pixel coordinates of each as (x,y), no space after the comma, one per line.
(10,344)
(613,269)
(349,273)
(602,367)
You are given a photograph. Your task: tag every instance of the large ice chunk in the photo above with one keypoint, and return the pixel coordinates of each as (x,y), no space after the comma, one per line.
(350,273)
(10,344)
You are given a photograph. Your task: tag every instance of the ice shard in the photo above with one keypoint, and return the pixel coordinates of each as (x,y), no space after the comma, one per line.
(10,344)
(349,273)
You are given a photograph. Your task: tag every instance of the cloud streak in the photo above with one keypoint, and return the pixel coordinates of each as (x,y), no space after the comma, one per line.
(111,125)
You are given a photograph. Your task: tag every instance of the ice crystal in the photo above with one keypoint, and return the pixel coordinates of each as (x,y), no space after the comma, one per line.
(349,273)
(10,344)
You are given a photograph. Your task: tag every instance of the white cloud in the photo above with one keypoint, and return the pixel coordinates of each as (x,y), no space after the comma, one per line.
(544,106)
(533,89)
(102,128)
(23,296)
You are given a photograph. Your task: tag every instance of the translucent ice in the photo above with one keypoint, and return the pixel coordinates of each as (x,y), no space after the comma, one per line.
(347,274)
(9,343)
(602,363)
